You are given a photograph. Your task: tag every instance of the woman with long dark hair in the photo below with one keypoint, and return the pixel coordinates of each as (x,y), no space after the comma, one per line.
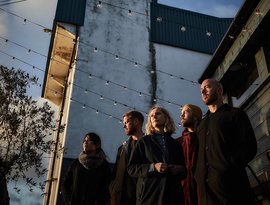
(88,178)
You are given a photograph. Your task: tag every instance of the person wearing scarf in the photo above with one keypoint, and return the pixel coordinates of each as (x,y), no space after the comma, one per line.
(87,179)
(191,116)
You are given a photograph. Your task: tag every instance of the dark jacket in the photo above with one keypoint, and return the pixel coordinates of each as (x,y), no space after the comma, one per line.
(226,145)
(153,187)
(123,186)
(4,197)
(86,187)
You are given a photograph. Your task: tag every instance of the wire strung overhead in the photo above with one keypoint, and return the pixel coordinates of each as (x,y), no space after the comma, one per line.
(90,75)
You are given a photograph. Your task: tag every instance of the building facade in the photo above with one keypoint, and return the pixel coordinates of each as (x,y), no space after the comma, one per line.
(242,64)
(108,58)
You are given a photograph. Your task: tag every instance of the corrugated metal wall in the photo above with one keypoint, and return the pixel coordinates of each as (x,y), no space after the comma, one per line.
(71,11)
(166,23)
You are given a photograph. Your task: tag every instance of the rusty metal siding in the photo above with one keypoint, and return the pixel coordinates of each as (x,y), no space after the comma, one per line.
(167,29)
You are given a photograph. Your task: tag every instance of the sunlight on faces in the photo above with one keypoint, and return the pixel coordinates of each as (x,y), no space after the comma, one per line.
(210,90)
(186,117)
(129,125)
(158,119)
(89,146)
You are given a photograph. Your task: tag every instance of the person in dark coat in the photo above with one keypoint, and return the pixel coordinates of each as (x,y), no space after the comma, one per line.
(87,180)
(191,115)
(227,144)
(123,186)
(158,163)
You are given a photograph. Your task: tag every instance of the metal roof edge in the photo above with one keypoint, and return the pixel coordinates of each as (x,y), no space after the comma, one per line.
(234,30)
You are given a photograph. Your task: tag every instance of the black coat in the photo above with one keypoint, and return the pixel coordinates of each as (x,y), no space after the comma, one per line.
(226,145)
(155,188)
(123,186)
(86,187)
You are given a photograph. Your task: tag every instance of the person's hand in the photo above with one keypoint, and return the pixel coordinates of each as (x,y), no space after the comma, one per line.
(175,169)
(161,167)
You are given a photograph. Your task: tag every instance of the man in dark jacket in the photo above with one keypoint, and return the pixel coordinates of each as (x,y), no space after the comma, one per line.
(226,145)
(123,187)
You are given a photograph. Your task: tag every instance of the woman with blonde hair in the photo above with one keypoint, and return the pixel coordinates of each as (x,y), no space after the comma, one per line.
(157,162)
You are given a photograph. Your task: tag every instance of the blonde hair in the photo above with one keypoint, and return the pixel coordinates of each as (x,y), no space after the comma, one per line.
(169,126)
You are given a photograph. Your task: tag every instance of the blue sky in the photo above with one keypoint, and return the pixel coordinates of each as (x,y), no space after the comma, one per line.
(31,36)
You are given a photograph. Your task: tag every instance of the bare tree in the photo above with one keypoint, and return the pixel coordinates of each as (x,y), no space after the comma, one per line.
(24,128)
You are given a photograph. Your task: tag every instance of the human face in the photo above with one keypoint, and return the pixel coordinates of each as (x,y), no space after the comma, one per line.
(209,91)
(158,119)
(129,125)
(187,119)
(88,145)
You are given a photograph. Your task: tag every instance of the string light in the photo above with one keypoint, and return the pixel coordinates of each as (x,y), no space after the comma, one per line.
(115,103)
(159,19)
(107,82)
(99,5)
(83,106)
(101,97)
(95,50)
(116,57)
(129,12)
(183,28)
(208,33)
(90,76)
(24,21)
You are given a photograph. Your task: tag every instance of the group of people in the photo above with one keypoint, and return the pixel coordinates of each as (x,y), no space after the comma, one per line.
(205,166)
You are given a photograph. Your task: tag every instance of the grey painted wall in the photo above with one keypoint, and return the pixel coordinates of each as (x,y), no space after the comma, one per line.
(112,31)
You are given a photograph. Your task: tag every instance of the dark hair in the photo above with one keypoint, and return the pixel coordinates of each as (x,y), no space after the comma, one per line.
(94,138)
(135,114)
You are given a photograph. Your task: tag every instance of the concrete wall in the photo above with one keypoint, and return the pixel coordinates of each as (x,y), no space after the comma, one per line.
(113,32)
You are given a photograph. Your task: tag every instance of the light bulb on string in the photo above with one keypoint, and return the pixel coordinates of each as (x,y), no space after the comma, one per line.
(136,64)
(171,76)
(155,100)
(129,12)
(110,116)
(140,94)
(34,67)
(101,97)
(24,21)
(208,33)
(90,76)
(71,100)
(152,71)
(115,103)
(85,91)
(107,82)
(97,112)
(29,51)
(99,5)
(120,121)
(13,58)
(159,19)
(83,106)
(95,50)
(116,57)
(183,28)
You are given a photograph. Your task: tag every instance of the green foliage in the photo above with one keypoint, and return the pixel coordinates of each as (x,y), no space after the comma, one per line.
(25,128)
